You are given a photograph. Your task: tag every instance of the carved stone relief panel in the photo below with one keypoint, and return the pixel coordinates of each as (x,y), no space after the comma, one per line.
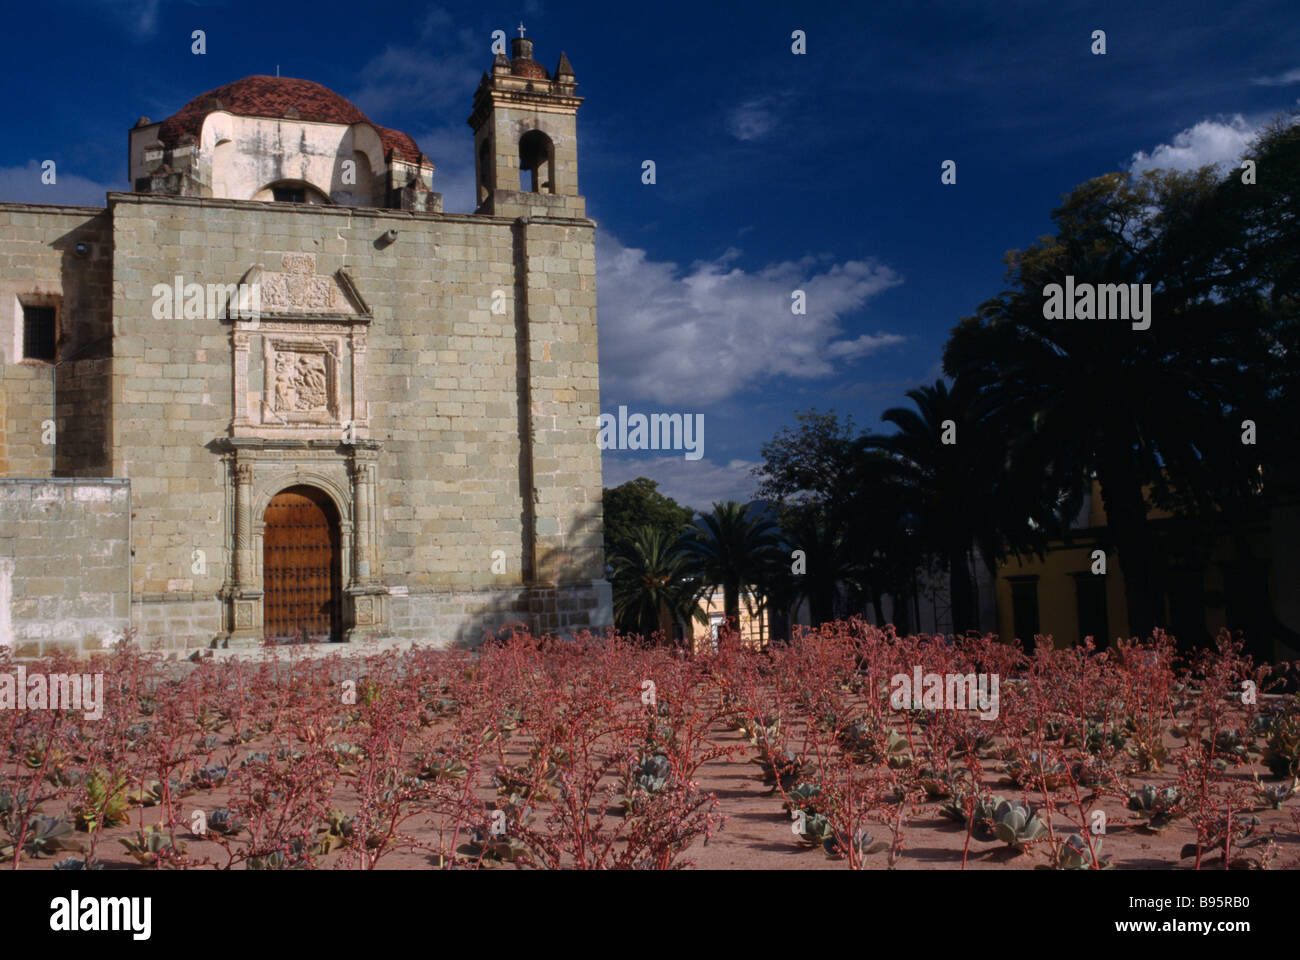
(300,365)
(301,380)
(300,289)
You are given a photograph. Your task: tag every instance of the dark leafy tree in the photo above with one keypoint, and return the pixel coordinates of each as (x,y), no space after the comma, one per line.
(1144,410)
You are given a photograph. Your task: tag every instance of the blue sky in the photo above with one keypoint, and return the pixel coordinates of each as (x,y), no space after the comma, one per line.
(775,172)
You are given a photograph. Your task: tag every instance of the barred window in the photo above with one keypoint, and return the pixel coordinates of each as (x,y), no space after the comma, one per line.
(38,333)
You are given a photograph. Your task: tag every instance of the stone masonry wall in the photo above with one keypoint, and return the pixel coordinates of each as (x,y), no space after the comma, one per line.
(470,405)
(40,262)
(65,563)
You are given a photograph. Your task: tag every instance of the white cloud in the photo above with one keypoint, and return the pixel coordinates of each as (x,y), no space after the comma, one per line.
(701,334)
(23,185)
(752,120)
(439,74)
(451,148)
(1279,80)
(693,483)
(863,346)
(1209,142)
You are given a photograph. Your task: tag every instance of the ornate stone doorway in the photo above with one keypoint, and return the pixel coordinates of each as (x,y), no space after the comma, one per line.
(302,566)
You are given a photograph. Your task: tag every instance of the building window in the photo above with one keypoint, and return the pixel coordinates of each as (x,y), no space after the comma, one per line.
(1024,608)
(1090,598)
(39,329)
(715,627)
(289,194)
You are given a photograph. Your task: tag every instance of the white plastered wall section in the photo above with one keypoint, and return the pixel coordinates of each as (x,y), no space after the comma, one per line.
(247,154)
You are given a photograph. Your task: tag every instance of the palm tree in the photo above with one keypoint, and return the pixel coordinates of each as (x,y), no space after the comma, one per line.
(952,483)
(831,556)
(732,548)
(652,588)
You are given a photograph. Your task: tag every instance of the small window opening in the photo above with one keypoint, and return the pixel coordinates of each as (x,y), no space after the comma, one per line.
(38,333)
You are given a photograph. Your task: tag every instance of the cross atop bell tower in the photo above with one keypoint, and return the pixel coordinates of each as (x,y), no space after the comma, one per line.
(525,137)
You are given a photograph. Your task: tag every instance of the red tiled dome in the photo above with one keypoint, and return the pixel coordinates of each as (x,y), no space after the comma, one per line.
(528,68)
(281,98)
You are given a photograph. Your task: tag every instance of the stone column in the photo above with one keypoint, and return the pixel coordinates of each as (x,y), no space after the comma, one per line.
(241,379)
(369,597)
(246,600)
(362,489)
(243,526)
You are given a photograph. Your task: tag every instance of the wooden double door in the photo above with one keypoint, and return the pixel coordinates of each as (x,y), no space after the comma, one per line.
(302,569)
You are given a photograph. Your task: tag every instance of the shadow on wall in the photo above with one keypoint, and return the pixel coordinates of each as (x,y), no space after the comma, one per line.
(562,599)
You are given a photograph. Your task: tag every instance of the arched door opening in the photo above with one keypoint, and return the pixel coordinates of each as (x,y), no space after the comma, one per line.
(302,570)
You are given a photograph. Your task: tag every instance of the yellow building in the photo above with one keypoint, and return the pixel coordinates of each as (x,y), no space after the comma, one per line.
(754,626)
(1061,597)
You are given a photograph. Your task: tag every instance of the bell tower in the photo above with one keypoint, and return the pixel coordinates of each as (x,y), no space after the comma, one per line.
(526,137)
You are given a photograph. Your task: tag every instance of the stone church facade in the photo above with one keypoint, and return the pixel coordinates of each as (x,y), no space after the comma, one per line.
(394,435)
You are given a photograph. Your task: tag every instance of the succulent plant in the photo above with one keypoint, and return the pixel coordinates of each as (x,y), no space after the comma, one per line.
(1035,772)
(1089,771)
(762,732)
(105,802)
(346,754)
(208,719)
(1147,747)
(1016,825)
(76,863)
(1097,736)
(210,776)
(650,776)
(782,769)
(985,805)
(864,843)
(241,736)
(1160,806)
(937,784)
(979,744)
(653,773)
(11,805)
(335,833)
(859,740)
(1074,854)
(1243,832)
(492,848)
(506,725)
(898,750)
(521,782)
(802,796)
(292,856)
(224,822)
(34,757)
(1231,743)
(441,765)
(1282,749)
(149,846)
(1276,794)
(150,793)
(812,829)
(45,837)
(1052,729)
